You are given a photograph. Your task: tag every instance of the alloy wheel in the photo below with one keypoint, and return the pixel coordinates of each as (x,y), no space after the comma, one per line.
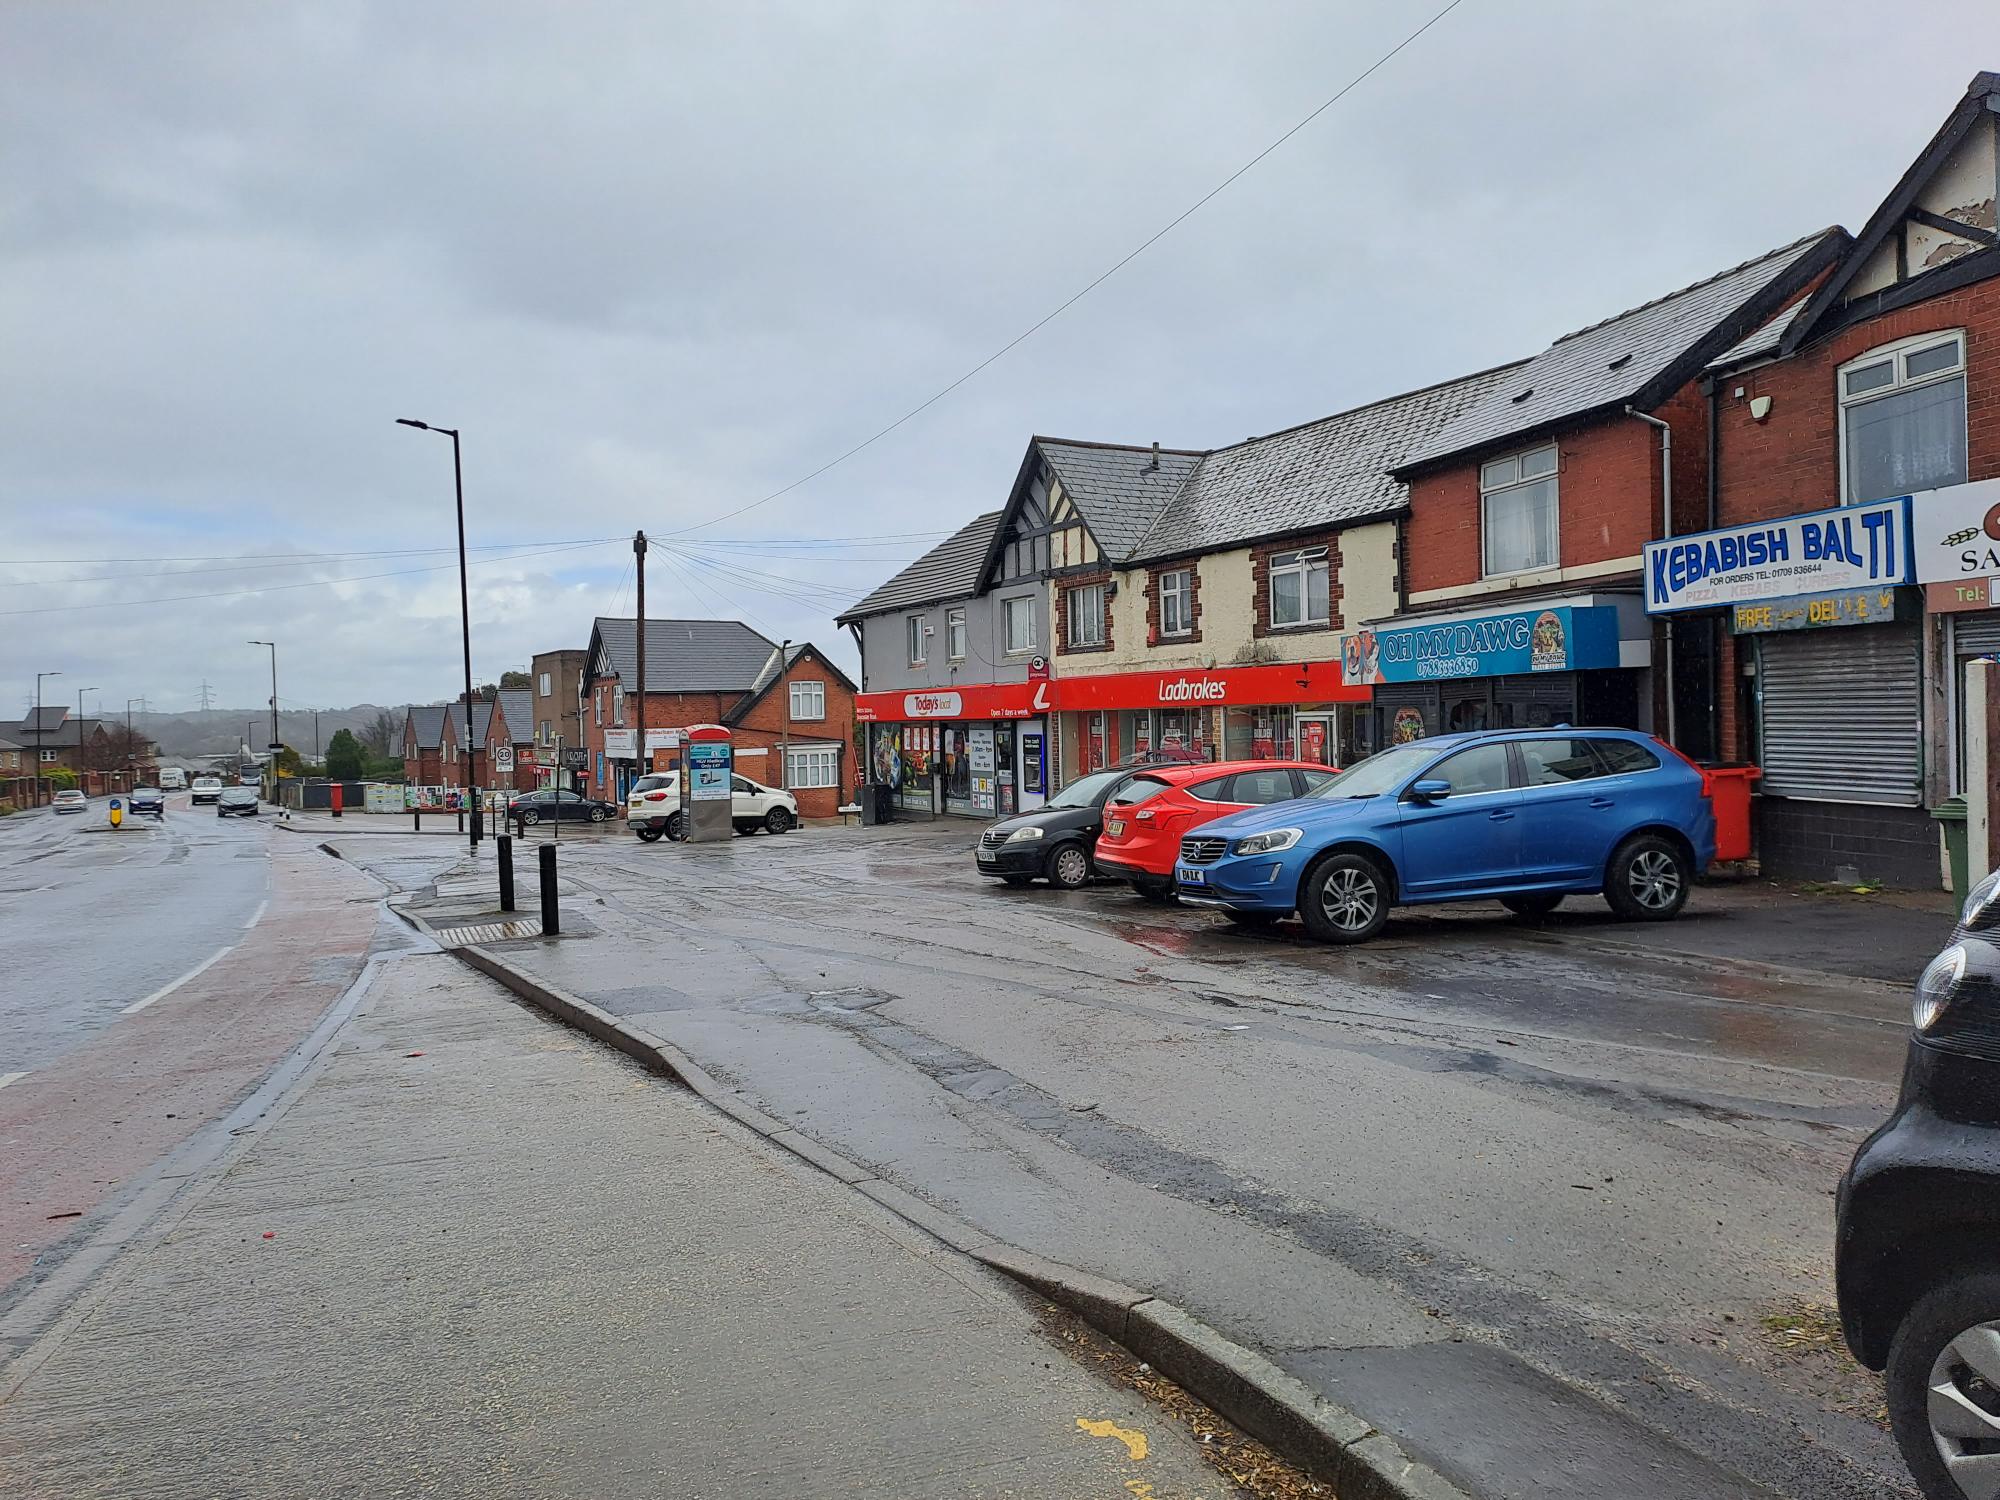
(1350,899)
(1964,1409)
(1655,879)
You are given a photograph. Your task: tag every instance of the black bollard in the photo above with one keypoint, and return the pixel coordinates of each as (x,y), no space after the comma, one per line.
(551,919)
(506,872)
(461,817)
(417,815)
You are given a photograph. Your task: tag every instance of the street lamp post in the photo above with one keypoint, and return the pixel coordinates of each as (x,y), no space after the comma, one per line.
(131,757)
(274,700)
(464,606)
(38,733)
(79,736)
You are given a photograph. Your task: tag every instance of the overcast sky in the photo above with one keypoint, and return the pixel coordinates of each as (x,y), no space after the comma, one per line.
(658,261)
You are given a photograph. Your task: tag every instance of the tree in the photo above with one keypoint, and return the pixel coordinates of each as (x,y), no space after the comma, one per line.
(384,733)
(287,762)
(113,749)
(344,757)
(516,680)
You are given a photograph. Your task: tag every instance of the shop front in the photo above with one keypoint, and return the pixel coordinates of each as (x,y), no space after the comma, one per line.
(1572,660)
(1828,646)
(1956,538)
(978,751)
(1267,712)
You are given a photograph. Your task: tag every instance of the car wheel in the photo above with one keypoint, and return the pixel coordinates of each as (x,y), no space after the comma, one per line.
(1943,1381)
(1532,907)
(1252,918)
(598,815)
(1345,899)
(1069,867)
(1017,881)
(648,835)
(779,820)
(676,826)
(1647,879)
(529,817)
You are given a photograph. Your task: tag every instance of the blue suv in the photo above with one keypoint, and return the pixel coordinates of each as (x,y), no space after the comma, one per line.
(1525,817)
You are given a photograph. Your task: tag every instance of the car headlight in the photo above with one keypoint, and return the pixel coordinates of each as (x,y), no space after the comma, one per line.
(1982,907)
(1270,842)
(1939,986)
(1023,835)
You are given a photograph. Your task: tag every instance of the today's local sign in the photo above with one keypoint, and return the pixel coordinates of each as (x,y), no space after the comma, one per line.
(1851,547)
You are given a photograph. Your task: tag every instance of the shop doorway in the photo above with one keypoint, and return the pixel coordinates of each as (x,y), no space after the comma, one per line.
(1316,738)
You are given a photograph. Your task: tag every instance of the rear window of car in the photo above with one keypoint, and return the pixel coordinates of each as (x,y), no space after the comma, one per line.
(1138,789)
(1551,762)
(1623,757)
(651,783)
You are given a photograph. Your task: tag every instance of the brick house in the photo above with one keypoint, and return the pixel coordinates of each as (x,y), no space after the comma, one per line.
(1883,383)
(14,759)
(54,737)
(558,704)
(430,745)
(511,728)
(1531,510)
(720,672)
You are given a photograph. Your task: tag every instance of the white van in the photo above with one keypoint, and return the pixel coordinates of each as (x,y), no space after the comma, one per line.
(173,779)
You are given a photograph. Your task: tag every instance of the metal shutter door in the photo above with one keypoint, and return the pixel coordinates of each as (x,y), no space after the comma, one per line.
(1976,633)
(1842,714)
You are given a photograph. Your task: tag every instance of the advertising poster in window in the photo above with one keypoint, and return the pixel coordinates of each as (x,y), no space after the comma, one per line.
(886,755)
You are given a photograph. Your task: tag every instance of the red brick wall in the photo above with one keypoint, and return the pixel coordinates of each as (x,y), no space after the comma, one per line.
(1260,583)
(1608,477)
(1063,586)
(1790,462)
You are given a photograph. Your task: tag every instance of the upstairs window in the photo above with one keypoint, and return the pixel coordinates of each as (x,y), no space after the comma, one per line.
(545,684)
(1517,512)
(1176,618)
(1018,615)
(809,700)
(954,634)
(1902,418)
(1300,592)
(1086,615)
(913,627)
(618,705)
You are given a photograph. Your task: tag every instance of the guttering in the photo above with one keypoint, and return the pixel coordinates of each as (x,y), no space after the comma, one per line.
(1666,530)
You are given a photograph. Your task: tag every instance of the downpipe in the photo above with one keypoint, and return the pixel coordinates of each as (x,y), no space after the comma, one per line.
(1666,531)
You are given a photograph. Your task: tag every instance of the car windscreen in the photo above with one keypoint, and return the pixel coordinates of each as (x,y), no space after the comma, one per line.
(1380,773)
(1085,792)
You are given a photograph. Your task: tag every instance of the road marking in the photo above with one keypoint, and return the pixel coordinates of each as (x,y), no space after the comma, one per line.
(7,1078)
(259,912)
(1134,1441)
(166,990)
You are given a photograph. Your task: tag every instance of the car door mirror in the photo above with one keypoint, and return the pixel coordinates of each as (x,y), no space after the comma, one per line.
(1429,790)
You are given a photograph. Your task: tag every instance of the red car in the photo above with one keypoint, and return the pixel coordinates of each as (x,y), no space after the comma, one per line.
(1143,824)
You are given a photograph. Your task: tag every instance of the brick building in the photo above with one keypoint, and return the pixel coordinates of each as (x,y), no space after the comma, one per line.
(430,746)
(557,711)
(792,713)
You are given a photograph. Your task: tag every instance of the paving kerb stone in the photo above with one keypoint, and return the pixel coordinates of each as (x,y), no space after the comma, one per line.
(1362,1463)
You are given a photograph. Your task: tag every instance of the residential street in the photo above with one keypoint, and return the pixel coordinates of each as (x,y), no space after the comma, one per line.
(1552,1205)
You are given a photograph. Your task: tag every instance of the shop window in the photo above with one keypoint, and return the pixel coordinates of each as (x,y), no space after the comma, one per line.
(954,634)
(1176,617)
(809,700)
(1902,418)
(811,766)
(1517,512)
(1301,591)
(1018,617)
(1483,768)
(913,631)
(1085,607)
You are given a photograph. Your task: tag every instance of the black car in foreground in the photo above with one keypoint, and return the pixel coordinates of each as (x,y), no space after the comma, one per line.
(1917,1257)
(1054,842)
(237,801)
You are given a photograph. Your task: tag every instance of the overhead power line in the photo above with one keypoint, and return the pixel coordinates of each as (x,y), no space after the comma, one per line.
(1049,317)
(272,557)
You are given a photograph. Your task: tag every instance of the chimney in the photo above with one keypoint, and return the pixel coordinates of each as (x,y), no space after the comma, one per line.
(1154,466)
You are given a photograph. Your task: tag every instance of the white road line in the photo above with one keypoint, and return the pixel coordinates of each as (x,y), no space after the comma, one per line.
(7,1078)
(166,990)
(259,912)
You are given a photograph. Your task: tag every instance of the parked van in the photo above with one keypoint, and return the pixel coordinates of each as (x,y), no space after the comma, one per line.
(173,779)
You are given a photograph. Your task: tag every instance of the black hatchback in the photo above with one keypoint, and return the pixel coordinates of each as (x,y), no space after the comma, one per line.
(1056,840)
(1917,1258)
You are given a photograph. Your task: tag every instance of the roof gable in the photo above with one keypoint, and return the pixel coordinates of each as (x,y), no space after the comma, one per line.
(1947,223)
(1118,489)
(770,676)
(517,713)
(682,656)
(950,570)
(1637,358)
(426,721)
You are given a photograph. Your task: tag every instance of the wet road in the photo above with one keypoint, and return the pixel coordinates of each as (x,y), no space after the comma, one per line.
(1525,1197)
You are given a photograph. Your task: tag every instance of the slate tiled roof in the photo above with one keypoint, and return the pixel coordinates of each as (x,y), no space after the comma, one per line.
(482,720)
(1321,474)
(56,734)
(51,714)
(1764,341)
(683,656)
(7,744)
(517,707)
(429,721)
(950,570)
(1117,487)
(1611,362)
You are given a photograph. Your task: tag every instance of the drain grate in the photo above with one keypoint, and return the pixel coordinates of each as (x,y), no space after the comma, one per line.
(490,932)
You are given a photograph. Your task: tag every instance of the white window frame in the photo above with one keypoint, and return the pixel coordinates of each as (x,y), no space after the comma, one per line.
(954,634)
(546,684)
(809,699)
(598,708)
(812,767)
(1027,603)
(1093,637)
(1303,562)
(1899,352)
(50,757)
(1520,480)
(1177,585)
(913,639)
(618,705)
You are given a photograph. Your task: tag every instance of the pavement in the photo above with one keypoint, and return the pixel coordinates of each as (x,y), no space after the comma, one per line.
(1525,1196)
(470,1254)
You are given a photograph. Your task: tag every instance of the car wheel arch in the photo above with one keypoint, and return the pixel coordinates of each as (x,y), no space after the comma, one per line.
(1374,853)
(1894,1282)
(1666,831)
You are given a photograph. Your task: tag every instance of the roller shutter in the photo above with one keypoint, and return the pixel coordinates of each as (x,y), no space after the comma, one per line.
(1842,714)
(1976,632)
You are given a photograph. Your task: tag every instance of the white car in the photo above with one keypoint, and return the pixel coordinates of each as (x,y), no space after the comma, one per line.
(653,806)
(207,789)
(70,800)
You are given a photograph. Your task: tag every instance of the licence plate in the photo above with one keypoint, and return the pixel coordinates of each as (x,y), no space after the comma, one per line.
(1115,828)
(986,856)
(1191,877)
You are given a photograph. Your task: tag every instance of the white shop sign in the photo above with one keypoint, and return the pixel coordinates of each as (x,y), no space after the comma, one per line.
(1957,532)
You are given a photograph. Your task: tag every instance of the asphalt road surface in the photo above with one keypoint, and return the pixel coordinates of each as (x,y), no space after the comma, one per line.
(1552,1206)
